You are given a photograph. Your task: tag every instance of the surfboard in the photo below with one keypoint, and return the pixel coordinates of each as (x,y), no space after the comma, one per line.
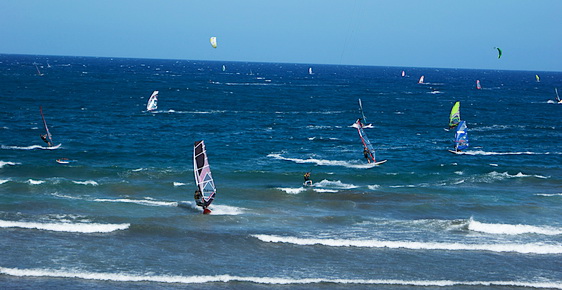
(307,183)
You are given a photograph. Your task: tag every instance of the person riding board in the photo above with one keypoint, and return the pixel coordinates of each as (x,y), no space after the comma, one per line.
(199,198)
(366,154)
(44,138)
(307,180)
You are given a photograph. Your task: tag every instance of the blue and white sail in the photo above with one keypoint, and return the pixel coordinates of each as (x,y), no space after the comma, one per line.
(152,102)
(461,137)
(368,149)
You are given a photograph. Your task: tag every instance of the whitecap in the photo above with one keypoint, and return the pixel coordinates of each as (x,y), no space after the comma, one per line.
(35,182)
(87,182)
(65,227)
(290,190)
(176,184)
(508,229)
(139,201)
(4,163)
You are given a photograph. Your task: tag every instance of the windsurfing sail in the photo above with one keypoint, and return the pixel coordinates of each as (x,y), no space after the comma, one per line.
(368,148)
(455,116)
(421,80)
(38,71)
(461,137)
(309,70)
(213,41)
(223,67)
(48,138)
(557,96)
(538,78)
(152,102)
(499,52)
(478,86)
(403,73)
(203,177)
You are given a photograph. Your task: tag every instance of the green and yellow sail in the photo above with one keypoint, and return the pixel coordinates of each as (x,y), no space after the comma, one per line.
(455,116)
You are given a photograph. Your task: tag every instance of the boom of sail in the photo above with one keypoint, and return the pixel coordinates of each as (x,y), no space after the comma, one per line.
(152,102)
(455,116)
(203,177)
(48,136)
(461,137)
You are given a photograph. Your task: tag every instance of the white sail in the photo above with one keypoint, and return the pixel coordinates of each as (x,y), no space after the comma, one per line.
(309,70)
(421,80)
(203,177)
(213,41)
(152,102)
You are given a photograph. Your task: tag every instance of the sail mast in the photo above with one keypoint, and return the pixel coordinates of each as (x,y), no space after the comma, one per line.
(49,136)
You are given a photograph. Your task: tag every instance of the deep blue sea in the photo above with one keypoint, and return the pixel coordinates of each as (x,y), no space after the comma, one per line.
(122,214)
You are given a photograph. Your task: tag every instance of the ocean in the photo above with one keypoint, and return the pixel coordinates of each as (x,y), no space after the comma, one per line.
(121,214)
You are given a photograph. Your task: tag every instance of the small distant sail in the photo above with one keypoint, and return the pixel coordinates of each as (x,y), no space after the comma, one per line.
(478,86)
(421,80)
(499,52)
(213,41)
(223,68)
(455,116)
(309,70)
(38,71)
(203,177)
(557,96)
(48,138)
(538,78)
(152,102)
(461,137)
(403,73)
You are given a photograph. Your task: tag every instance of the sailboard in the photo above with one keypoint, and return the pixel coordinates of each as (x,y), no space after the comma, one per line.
(368,148)
(310,71)
(203,177)
(152,102)
(557,96)
(48,138)
(461,138)
(421,80)
(478,86)
(455,116)
(537,78)
(213,41)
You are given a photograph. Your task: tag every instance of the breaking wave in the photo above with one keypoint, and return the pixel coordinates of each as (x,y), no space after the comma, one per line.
(32,147)
(65,227)
(125,277)
(4,163)
(87,182)
(139,201)
(533,248)
(322,162)
(507,229)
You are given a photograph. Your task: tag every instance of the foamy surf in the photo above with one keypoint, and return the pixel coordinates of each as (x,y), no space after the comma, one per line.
(65,227)
(87,182)
(322,162)
(507,229)
(125,277)
(4,163)
(32,147)
(35,182)
(533,248)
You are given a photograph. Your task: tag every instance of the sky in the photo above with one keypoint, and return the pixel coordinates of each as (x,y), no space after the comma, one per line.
(429,33)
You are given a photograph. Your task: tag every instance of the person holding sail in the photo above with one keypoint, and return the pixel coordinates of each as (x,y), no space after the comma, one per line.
(44,138)
(366,154)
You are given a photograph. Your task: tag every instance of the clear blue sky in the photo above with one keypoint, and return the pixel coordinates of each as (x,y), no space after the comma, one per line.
(430,33)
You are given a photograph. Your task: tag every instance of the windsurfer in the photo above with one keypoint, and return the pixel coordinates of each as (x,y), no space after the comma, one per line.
(44,138)
(307,180)
(366,154)
(198,197)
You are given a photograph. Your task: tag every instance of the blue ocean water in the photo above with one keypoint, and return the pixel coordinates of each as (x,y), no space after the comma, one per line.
(122,214)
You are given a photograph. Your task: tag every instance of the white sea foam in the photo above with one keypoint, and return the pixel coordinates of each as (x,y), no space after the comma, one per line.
(176,184)
(549,194)
(373,187)
(125,277)
(87,182)
(536,248)
(323,190)
(504,175)
(139,201)
(2,181)
(480,152)
(35,182)
(32,147)
(4,163)
(507,229)
(221,209)
(290,190)
(65,227)
(334,184)
(322,162)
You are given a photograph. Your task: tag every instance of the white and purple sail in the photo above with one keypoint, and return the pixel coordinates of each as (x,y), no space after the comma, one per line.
(152,102)
(203,177)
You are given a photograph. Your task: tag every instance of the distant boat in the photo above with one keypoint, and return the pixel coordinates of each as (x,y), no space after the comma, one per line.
(538,78)
(368,149)
(38,71)
(310,71)
(557,96)
(403,73)
(152,102)
(206,190)
(461,138)
(455,116)
(478,86)
(47,137)
(421,80)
